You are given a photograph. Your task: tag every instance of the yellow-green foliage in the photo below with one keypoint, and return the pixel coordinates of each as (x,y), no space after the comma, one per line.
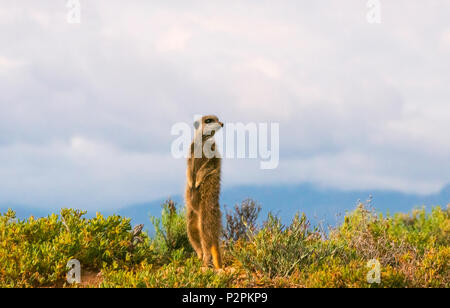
(170,232)
(413,251)
(35,251)
(185,273)
(277,250)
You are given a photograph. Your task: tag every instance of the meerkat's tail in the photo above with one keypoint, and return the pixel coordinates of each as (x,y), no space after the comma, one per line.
(217,260)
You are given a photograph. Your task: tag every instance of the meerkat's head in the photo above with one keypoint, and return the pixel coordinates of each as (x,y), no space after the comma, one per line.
(207,126)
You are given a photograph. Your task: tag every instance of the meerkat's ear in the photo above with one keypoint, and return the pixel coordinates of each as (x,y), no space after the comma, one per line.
(196,124)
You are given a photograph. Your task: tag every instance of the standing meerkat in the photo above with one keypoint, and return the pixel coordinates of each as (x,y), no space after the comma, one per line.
(202,192)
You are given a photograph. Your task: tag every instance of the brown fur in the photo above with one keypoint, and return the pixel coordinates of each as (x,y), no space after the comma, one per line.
(202,200)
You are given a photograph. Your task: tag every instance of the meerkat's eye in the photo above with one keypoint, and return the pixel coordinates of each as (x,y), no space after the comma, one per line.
(207,121)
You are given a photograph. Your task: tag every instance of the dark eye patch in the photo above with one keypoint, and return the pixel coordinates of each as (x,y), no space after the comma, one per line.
(207,121)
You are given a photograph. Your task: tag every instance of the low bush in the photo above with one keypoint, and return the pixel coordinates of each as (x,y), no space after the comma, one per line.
(412,250)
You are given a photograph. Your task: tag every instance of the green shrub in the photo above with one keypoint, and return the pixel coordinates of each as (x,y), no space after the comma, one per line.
(170,232)
(413,250)
(36,251)
(276,250)
(180,273)
(420,229)
(368,237)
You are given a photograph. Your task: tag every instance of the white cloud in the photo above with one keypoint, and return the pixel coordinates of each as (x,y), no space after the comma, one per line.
(7,64)
(445,40)
(174,39)
(86,110)
(265,66)
(85,174)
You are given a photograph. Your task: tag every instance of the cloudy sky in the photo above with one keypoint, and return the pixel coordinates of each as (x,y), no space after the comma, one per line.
(86,109)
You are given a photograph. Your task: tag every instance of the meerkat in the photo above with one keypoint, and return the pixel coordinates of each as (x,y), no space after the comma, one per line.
(202,192)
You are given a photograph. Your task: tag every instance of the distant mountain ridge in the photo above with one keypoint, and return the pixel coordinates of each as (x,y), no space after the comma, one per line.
(318,204)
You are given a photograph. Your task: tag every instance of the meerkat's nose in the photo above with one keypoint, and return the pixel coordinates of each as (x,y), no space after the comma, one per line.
(221,124)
